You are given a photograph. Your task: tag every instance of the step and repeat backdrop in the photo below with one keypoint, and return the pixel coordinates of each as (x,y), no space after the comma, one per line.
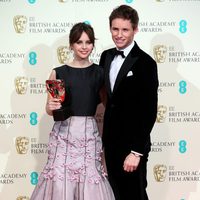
(34,40)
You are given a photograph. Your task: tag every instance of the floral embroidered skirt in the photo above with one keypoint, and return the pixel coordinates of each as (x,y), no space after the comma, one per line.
(74,170)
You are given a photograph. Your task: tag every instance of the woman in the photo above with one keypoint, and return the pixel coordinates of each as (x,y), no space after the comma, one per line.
(74,170)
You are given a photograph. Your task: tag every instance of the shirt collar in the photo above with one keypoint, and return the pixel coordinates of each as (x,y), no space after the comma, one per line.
(128,48)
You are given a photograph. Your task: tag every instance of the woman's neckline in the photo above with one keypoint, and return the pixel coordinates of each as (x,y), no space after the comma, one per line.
(79,67)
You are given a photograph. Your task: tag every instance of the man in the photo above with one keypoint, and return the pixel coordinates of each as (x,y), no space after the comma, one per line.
(131,85)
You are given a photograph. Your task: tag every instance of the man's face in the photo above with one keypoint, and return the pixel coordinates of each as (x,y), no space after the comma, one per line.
(122,32)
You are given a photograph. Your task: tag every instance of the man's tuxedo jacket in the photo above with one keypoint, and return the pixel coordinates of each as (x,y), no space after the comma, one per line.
(132,105)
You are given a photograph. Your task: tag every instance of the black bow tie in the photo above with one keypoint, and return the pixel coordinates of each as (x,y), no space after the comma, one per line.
(121,53)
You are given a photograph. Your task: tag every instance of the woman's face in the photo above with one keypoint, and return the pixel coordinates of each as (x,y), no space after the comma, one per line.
(83,47)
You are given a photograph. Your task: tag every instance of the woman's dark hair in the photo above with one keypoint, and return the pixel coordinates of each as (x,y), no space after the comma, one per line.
(78,29)
(127,13)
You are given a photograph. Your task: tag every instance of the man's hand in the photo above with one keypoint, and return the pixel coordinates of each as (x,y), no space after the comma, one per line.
(131,162)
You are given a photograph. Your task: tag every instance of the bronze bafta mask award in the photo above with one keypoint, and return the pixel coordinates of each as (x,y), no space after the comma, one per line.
(57,90)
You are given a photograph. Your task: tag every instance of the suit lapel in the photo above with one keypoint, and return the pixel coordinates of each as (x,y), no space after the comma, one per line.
(127,65)
(109,58)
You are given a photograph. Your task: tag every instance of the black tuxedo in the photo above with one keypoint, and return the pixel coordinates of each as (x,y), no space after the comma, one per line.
(129,118)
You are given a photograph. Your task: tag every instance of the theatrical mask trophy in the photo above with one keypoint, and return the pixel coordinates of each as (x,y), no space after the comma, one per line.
(57,90)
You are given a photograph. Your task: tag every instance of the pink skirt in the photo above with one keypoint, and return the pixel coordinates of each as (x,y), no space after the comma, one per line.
(74,168)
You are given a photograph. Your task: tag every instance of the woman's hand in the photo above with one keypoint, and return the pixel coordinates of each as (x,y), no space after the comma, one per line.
(52,104)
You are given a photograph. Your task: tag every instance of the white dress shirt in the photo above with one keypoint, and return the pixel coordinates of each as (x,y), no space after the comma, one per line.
(117,63)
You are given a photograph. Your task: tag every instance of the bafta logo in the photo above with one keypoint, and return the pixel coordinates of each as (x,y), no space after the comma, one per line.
(63,1)
(63,54)
(161,114)
(20,22)
(21,144)
(21,84)
(23,198)
(160,52)
(160,172)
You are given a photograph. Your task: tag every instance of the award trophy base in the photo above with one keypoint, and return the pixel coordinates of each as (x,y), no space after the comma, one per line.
(61,114)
